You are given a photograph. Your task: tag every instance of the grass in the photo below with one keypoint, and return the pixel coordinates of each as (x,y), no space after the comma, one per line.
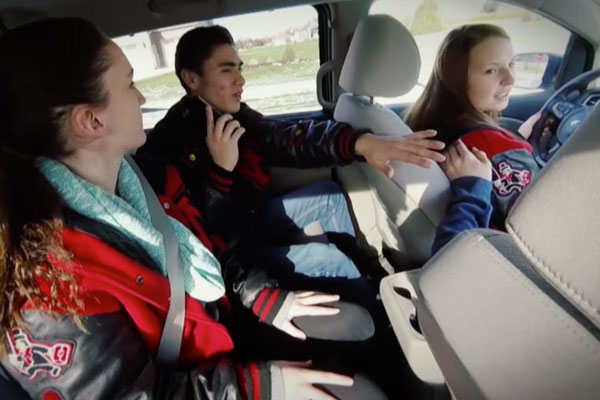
(284,103)
(262,65)
(494,17)
(166,86)
(308,50)
(280,73)
(161,87)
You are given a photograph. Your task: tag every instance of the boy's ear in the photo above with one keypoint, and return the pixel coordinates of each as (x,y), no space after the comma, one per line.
(191,78)
(86,122)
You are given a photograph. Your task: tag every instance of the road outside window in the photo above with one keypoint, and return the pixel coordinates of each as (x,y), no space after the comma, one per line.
(280,51)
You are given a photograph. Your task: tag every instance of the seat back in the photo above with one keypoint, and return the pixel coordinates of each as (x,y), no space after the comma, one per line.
(383,60)
(517,315)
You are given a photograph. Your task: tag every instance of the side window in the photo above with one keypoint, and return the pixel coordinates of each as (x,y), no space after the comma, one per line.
(280,51)
(536,40)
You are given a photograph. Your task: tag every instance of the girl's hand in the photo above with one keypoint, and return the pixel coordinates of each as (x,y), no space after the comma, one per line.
(461,162)
(308,303)
(298,381)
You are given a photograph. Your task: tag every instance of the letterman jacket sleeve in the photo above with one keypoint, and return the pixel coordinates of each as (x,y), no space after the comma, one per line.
(51,358)
(470,208)
(304,144)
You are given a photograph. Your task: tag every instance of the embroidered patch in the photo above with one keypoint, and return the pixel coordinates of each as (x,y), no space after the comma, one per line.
(508,180)
(32,358)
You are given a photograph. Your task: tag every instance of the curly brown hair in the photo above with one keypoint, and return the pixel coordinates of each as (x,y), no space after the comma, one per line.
(31,246)
(34,107)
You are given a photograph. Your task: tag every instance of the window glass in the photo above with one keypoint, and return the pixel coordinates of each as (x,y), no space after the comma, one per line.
(430,21)
(280,51)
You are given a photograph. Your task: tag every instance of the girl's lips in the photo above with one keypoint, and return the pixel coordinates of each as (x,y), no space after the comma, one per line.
(503,95)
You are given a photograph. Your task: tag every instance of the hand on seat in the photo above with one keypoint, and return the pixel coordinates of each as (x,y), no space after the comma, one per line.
(462,162)
(222,139)
(308,304)
(416,148)
(299,381)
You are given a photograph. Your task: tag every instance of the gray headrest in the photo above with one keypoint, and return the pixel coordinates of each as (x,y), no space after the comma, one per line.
(556,222)
(383,59)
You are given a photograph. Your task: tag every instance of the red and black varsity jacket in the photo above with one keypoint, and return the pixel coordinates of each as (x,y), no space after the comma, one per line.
(513,167)
(125,305)
(228,199)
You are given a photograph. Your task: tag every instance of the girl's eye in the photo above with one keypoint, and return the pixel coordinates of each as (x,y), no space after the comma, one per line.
(132,85)
(491,71)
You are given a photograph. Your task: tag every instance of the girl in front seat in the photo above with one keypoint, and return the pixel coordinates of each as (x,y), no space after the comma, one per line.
(468,88)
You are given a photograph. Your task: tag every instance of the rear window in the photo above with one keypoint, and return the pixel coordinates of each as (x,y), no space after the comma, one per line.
(280,50)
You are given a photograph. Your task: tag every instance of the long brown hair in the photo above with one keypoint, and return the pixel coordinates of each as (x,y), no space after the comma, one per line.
(444,104)
(51,66)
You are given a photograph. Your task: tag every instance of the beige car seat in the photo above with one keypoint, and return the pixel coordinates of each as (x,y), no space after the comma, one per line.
(383,60)
(516,315)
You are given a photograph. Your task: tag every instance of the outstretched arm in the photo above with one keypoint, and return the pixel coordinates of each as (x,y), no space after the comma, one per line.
(470,206)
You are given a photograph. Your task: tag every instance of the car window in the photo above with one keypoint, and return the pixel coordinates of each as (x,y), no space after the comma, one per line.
(430,20)
(279,48)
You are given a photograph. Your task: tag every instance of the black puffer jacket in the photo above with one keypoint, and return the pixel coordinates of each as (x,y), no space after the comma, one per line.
(228,199)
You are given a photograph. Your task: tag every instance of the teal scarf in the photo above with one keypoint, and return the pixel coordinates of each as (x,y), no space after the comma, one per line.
(129,214)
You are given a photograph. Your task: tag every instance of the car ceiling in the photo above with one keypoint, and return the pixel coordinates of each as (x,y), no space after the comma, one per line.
(580,16)
(118,17)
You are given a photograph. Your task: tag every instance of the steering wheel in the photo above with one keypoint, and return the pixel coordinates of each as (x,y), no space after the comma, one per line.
(561,115)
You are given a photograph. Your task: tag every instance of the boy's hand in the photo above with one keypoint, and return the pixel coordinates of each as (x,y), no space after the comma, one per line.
(308,304)
(416,148)
(222,139)
(301,383)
